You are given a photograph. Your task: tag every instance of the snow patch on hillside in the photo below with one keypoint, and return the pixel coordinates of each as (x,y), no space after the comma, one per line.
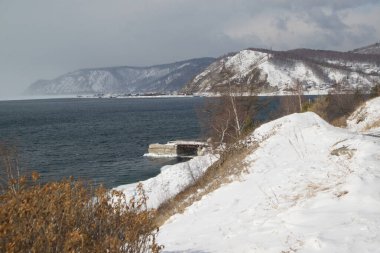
(245,60)
(366,117)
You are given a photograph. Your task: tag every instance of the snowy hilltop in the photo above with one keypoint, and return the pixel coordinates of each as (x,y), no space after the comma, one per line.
(307,187)
(277,72)
(371,49)
(154,79)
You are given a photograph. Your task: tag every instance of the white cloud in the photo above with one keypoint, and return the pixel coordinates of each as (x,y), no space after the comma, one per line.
(335,25)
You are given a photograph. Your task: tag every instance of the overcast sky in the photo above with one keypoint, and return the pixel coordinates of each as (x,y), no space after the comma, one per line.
(41,39)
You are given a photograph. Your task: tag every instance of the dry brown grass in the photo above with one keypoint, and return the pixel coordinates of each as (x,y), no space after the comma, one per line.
(372,125)
(230,166)
(336,108)
(71,216)
(319,106)
(375,91)
(340,122)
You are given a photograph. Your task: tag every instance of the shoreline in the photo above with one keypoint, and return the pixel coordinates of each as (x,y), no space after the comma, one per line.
(112,96)
(116,96)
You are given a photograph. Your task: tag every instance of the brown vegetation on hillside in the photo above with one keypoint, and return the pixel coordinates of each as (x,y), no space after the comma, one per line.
(334,107)
(375,91)
(338,105)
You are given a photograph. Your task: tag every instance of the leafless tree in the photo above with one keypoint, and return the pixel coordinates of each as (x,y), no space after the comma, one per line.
(228,117)
(298,90)
(343,101)
(292,103)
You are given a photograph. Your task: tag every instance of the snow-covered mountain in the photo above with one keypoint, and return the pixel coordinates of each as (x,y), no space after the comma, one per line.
(270,72)
(371,49)
(161,78)
(277,72)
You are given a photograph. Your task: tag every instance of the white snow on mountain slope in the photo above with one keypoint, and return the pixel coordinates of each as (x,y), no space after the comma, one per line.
(281,70)
(160,78)
(367,68)
(310,187)
(243,62)
(172,180)
(366,117)
(371,49)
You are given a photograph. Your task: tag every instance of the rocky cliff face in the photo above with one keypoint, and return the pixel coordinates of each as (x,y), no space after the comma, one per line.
(161,78)
(277,72)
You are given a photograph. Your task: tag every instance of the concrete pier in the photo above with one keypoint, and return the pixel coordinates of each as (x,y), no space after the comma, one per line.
(178,149)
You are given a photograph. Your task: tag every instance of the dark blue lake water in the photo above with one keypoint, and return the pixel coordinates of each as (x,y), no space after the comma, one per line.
(103,140)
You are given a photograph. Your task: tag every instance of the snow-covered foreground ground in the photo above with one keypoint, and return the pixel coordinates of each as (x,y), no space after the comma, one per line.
(310,187)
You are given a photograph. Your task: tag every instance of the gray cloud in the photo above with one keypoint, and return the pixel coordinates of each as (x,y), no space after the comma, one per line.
(45,38)
(281,23)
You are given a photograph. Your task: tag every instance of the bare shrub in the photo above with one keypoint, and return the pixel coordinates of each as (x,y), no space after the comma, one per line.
(375,90)
(72,216)
(296,102)
(342,103)
(338,105)
(370,126)
(228,118)
(336,108)
(319,106)
(289,104)
(340,121)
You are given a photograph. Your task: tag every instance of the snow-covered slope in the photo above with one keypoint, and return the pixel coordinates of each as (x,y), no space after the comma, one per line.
(371,49)
(161,78)
(366,117)
(172,180)
(309,187)
(277,72)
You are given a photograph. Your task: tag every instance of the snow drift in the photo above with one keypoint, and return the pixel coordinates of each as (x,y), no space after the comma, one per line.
(172,180)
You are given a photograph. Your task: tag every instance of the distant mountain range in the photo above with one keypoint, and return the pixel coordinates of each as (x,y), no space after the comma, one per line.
(274,72)
(164,78)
